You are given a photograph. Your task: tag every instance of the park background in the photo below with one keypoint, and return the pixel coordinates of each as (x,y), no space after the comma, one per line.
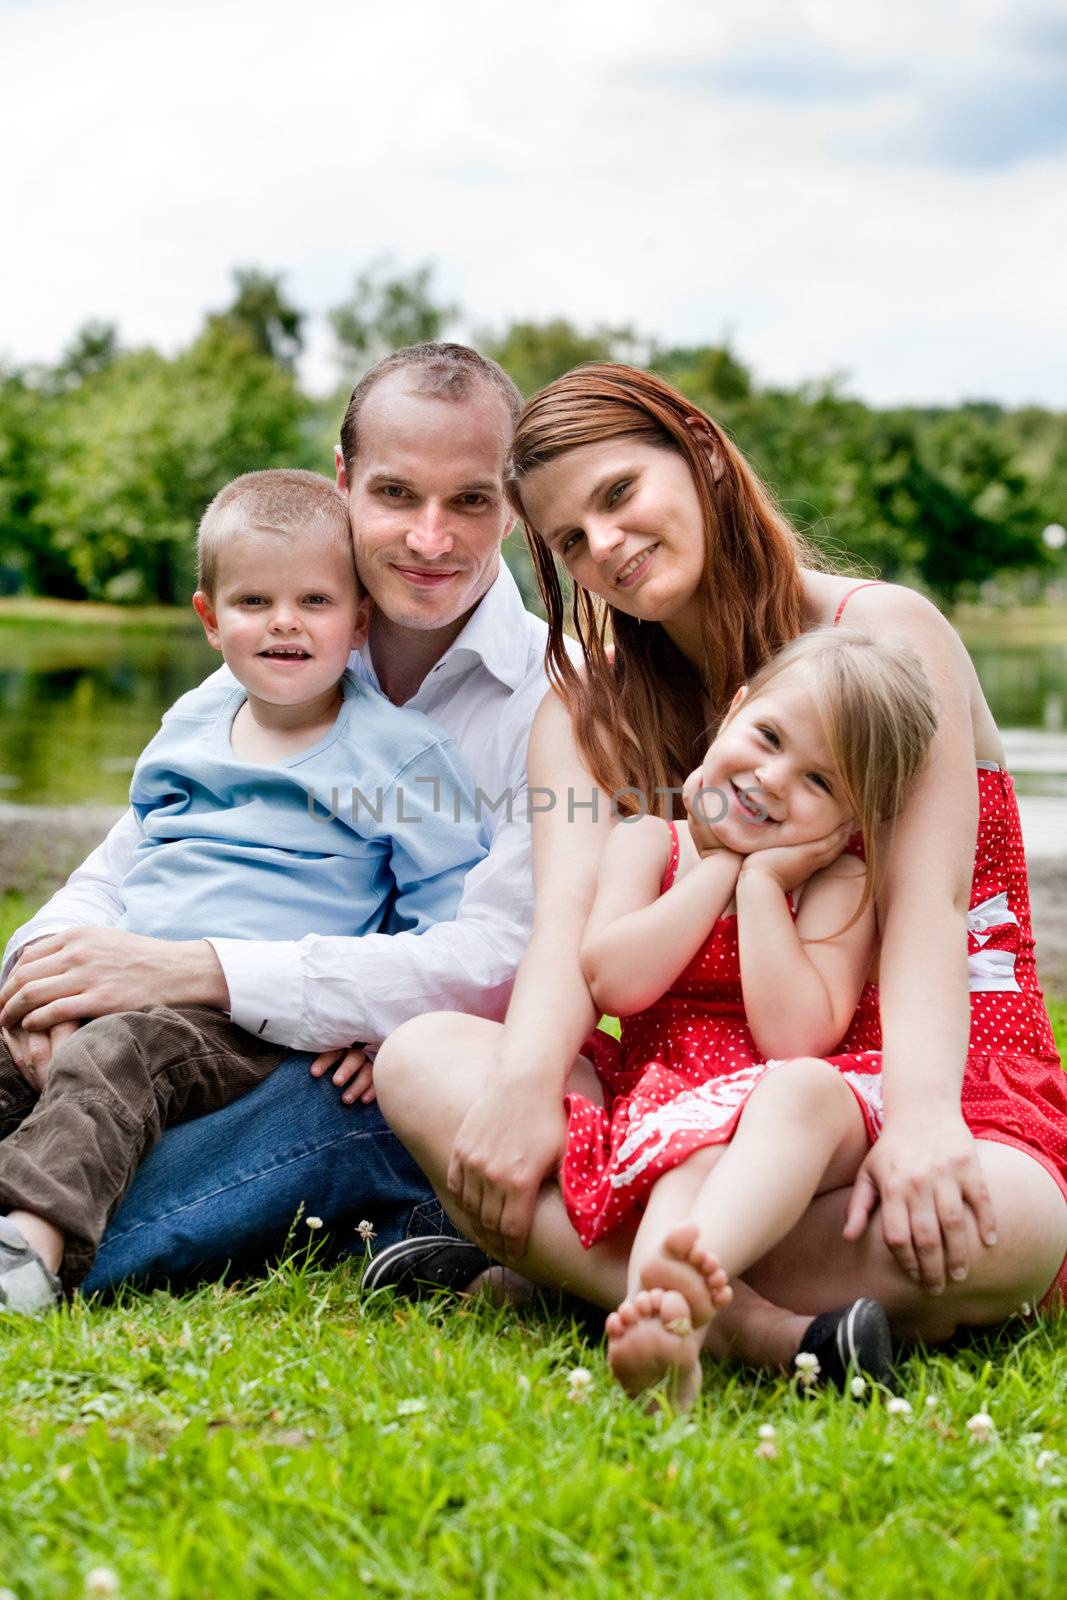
(839,230)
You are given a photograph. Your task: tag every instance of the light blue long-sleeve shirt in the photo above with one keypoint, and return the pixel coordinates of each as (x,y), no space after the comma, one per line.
(375,821)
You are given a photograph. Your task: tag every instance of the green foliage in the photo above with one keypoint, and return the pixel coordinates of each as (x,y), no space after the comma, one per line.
(260,311)
(384,313)
(135,452)
(534,353)
(107,460)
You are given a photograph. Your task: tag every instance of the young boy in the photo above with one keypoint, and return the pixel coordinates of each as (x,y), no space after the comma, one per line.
(295,799)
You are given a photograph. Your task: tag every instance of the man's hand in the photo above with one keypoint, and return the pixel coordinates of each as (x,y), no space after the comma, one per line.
(508,1143)
(925,1174)
(93,972)
(32,1052)
(354,1074)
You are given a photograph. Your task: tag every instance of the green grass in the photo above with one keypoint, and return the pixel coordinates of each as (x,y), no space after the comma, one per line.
(290,1438)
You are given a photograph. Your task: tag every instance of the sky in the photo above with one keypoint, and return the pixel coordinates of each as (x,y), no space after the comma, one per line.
(872,191)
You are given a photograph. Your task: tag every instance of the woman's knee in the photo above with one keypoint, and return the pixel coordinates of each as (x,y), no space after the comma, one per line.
(425,1055)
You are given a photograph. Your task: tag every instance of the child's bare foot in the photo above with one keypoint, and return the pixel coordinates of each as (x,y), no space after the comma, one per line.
(658,1333)
(682,1264)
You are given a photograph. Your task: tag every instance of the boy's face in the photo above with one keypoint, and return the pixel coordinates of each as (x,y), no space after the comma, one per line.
(285,614)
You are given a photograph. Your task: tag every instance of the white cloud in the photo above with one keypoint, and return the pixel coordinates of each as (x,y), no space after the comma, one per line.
(551,160)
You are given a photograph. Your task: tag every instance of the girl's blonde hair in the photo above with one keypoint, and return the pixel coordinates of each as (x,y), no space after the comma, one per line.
(879,717)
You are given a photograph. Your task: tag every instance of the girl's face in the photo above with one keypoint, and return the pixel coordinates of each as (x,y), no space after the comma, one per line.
(768,779)
(625,520)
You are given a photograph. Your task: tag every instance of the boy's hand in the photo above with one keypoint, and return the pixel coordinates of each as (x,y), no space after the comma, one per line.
(32,1052)
(793,864)
(354,1073)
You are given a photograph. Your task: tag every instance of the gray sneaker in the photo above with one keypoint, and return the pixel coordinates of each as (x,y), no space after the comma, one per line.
(26,1285)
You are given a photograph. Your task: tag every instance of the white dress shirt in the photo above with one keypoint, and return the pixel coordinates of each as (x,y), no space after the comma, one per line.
(325,991)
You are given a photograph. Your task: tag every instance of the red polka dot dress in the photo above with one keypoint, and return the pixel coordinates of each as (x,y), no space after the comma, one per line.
(677,1082)
(680,1076)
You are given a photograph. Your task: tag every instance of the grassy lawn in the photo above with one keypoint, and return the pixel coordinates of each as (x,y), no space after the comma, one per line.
(291,1438)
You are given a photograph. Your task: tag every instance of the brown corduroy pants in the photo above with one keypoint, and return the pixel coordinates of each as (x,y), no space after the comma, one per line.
(70,1154)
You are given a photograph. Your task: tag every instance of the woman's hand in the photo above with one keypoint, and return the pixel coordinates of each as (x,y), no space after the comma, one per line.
(508,1143)
(793,864)
(925,1174)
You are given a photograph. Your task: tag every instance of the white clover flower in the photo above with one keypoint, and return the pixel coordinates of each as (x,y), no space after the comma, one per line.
(366,1231)
(897,1407)
(579,1382)
(314,1223)
(858,1387)
(767,1450)
(1045,1459)
(767,1430)
(981,1427)
(8,1594)
(102,1581)
(931,1402)
(807,1366)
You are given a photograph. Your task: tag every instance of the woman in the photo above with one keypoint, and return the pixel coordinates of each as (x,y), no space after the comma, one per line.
(678,555)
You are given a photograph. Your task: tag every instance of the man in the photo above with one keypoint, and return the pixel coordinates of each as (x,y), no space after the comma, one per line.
(421,461)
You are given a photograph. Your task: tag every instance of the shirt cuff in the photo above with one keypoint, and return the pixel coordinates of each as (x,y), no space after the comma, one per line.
(266,986)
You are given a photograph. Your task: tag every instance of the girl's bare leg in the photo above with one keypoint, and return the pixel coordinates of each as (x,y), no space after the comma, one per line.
(431,1071)
(719,1211)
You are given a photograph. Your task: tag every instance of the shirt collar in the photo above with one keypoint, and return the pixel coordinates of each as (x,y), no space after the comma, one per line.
(497,633)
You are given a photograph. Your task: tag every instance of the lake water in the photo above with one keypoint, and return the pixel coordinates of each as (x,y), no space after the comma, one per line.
(77,703)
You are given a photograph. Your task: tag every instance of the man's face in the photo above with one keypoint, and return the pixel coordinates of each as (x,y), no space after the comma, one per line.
(426,500)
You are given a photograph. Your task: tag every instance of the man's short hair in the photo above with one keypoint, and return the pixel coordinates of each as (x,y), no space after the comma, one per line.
(451,371)
(282,500)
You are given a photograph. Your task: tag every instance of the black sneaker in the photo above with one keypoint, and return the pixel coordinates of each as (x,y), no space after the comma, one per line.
(418,1267)
(852,1342)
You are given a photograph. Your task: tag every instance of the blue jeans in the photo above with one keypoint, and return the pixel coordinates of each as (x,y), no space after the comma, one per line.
(224,1189)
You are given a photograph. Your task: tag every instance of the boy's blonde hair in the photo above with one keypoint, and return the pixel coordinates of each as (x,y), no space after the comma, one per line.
(879,716)
(281,500)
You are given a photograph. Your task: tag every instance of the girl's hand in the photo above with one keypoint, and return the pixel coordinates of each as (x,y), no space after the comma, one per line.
(701,831)
(791,865)
(924,1173)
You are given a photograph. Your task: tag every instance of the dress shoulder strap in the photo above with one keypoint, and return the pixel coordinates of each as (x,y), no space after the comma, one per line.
(871,583)
(671,869)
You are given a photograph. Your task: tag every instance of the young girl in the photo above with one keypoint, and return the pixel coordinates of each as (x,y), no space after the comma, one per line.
(731,950)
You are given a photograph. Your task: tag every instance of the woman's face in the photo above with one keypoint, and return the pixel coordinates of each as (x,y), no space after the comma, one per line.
(625,520)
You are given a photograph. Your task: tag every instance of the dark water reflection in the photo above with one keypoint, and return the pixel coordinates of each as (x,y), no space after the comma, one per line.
(78,703)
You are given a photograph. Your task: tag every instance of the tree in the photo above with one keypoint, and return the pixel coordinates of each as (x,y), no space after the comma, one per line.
(533,353)
(384,313)
(261,312)
(93,349)
(137,451)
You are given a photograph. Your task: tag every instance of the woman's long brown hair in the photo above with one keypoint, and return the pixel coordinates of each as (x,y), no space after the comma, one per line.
(641,720)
